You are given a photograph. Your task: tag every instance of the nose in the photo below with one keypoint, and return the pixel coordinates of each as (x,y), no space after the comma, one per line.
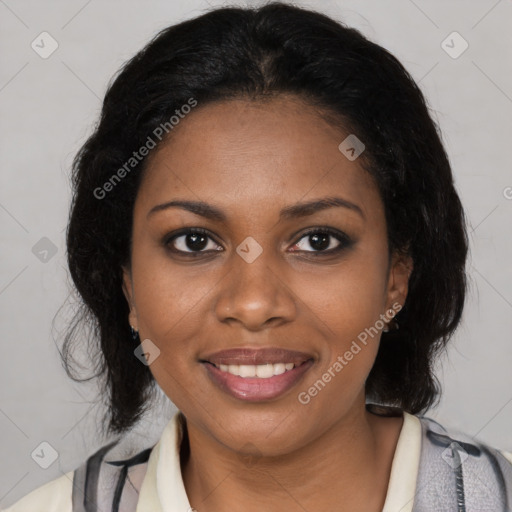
(255,294)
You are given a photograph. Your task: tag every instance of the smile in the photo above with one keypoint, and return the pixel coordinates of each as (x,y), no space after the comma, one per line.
(256,383)
(260,371)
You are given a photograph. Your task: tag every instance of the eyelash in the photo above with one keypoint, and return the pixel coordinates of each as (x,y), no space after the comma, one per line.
(345,241)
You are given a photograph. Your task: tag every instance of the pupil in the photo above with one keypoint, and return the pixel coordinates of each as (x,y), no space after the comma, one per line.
(324,241)
(194,244)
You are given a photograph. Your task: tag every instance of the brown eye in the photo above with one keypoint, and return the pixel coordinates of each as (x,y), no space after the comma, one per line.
(191,241)
(323,240)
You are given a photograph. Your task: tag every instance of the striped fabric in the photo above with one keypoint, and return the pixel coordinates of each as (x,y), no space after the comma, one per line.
(433,470)
(117,482)
(458,474)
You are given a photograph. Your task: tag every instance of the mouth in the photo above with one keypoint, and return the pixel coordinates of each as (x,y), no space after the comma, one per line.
(256,375)
(260,371)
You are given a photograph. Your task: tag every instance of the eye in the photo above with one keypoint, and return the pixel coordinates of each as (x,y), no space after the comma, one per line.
(191,241)
(323,241)
(196,241)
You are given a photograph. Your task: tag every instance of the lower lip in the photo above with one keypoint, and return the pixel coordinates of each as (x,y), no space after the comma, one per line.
(254,389)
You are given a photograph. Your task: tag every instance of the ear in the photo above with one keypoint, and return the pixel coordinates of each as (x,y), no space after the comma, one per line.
(128,293)
(401,267)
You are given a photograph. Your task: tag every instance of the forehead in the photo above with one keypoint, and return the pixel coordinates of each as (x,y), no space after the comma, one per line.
(243,153)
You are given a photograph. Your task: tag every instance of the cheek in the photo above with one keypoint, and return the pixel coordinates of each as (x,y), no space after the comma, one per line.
(349,296)
(346,304)
(170,310)
(168,295)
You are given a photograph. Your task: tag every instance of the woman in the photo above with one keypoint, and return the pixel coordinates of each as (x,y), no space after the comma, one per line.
(265,226)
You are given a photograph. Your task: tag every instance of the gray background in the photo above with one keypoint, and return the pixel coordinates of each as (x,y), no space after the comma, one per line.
(47,109)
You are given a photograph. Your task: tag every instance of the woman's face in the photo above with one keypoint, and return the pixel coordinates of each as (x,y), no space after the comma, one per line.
(256,278)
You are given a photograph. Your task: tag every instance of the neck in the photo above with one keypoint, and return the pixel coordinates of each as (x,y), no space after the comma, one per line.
(346,468)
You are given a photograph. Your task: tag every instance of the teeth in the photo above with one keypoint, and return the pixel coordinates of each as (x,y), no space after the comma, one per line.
(262,371)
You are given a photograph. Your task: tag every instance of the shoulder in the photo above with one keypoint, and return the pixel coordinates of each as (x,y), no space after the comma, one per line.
(101,482)
(54,496)
(456,468)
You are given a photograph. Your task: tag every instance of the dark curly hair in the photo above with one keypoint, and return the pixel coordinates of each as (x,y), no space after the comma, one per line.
(258,53)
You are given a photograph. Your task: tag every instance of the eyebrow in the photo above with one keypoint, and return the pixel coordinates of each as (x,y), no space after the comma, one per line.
(288,212)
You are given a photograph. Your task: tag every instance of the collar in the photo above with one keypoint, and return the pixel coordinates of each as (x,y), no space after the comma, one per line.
(163,489)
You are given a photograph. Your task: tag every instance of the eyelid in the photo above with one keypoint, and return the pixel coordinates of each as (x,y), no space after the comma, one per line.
(344,240)
(167,239)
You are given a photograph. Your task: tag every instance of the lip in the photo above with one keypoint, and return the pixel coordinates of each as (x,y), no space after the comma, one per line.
(255,389)
(270,355)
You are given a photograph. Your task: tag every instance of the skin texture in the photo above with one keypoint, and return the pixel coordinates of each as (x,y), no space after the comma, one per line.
(250,159)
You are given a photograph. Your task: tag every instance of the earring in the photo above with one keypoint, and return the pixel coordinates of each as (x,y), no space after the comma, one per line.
(392,325)
(135,334)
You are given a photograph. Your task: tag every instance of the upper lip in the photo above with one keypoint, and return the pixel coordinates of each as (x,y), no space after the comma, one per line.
(248,356)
